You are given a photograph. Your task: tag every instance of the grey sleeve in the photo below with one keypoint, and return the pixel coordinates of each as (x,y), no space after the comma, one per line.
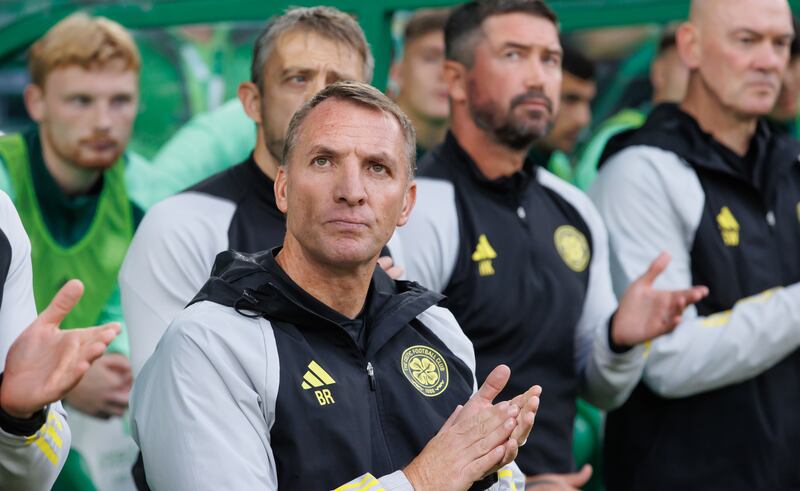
(652,201)
(431,236)
(607,378)
(203,405)
(33,463)
(167,263)
(18,310)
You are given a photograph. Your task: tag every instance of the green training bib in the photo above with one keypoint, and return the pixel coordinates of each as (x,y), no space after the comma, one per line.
(95,259)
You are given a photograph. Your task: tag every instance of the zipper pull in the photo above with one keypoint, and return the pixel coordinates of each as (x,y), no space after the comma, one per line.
(371,375)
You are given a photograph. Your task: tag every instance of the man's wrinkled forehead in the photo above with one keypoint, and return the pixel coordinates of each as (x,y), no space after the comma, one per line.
(772,16)
(519,29)
(307,49)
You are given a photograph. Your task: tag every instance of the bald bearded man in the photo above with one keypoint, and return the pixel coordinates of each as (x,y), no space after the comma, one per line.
(710,181)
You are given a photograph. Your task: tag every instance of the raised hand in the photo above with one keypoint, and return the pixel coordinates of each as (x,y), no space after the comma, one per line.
(645,313)
(44,362)
(472,442)
(478,438)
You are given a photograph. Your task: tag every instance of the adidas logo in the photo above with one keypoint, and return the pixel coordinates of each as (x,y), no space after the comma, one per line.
(483,255)
(316,377)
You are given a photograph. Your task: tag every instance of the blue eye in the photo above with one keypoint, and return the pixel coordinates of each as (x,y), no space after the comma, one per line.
(321,161)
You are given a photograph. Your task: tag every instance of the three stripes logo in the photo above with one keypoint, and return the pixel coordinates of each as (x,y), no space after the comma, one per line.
(316,378)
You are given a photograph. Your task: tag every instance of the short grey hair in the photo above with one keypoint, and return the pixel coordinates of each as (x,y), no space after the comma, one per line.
(326,21)
(363,95)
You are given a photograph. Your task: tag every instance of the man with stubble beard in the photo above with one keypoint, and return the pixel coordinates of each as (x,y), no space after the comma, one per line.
(521,255)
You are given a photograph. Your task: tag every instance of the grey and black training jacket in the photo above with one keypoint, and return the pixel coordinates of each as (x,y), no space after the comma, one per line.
(258,385)
(718,404)
(523,261)
(32,451)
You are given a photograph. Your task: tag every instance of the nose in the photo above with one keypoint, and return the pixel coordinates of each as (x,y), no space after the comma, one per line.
(534,74)
(771,57)
(349,184)
(584,115)
(102,116)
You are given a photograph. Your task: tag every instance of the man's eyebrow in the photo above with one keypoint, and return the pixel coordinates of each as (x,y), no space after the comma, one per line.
(321,149)
(296,69)
(747,30)
(377,156)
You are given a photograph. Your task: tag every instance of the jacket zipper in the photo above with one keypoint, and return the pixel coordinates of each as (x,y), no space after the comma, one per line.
(371,375)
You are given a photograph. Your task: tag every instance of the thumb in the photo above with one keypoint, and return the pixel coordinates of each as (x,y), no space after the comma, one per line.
(494,384)
(656,268)
(580,478)
(61,305)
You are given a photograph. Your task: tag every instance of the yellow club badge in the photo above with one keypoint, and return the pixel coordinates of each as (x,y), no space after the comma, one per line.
(426,369)
(573,247)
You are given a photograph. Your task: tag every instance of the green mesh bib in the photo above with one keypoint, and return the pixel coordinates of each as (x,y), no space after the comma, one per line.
(95,259)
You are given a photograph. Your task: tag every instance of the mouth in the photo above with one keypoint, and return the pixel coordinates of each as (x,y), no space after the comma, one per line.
(348,224)
(101,145)
(763,85)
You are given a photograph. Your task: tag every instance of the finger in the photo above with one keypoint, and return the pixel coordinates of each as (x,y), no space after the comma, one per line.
(525,421)
(90,352)
(512,449)
(114,409)
(452,419)
(580,478)
(103,334)
(395,272)
(484,464)
(694,294)
(656,268)
(118,362)
(385,262)
(117,398)
(496,435)
(61,305)
(494,384)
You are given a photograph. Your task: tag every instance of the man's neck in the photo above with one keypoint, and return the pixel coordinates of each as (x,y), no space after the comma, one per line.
(732,130)
(430,132)
(345,291)
(72,179)
(264,159)
(493,158)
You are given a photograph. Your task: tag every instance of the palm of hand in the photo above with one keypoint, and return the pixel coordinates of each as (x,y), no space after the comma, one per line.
(42,366)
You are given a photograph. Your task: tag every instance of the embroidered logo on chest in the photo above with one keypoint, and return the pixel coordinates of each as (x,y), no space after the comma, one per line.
(316,378)
(728,227)
(426,369)
(483,255)
(573,247)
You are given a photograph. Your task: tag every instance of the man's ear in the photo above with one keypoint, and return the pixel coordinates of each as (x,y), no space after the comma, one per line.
(34,102)
(409,200)
(250,97)
(281,200)
(455,76)
(687,40)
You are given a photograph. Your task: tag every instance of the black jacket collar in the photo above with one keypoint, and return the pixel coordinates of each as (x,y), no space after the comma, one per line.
(451,151)
(771,154)
(254,284)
